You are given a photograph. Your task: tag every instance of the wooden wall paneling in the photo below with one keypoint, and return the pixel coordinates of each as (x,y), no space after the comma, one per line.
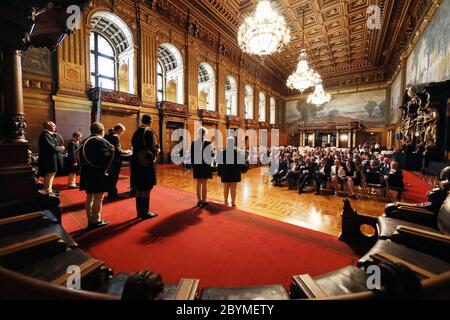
(112,117)
(149,58)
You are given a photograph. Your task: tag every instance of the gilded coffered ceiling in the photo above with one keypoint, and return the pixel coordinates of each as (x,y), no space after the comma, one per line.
(340,45)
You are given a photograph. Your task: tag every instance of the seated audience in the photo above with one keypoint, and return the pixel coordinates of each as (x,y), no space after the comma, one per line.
(306,173)
(337,175)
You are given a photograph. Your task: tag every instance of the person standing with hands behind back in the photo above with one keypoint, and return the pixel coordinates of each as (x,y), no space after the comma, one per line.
(231,163)
(72,161)
(143,170)
(201,159)
(96,155)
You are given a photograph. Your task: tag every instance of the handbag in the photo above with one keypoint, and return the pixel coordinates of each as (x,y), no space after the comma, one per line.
(145,157)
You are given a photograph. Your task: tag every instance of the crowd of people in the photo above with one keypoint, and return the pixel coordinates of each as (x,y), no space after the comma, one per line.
(342,169)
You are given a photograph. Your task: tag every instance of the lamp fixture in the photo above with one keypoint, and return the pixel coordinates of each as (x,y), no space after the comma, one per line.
(263,33)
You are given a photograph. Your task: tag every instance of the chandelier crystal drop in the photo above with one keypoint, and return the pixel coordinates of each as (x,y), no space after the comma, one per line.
(319,97)
(263,33)
(304,77)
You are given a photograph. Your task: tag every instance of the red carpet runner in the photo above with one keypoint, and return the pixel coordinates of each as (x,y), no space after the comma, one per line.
(218,245)
(416,188)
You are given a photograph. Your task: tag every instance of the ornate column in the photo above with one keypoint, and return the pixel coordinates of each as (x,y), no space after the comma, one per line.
(349,139)
(337,138)
(15,123)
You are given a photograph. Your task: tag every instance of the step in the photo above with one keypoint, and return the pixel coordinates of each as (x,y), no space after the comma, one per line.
(49,229)
(22,223)
(268,292)
(55,269)
(170,291)
(19,254)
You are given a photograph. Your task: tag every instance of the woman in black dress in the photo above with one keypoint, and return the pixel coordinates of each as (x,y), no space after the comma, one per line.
(201,159)
(231,163)
(143,170)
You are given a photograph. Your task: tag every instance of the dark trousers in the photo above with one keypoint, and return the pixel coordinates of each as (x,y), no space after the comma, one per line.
(303,179)
(292,178)
(114,177)
(320,179)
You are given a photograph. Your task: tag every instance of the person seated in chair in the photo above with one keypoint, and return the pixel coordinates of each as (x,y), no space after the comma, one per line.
(351,177)
(306,172)
(337,175)
(373,173)
(322,174)
(294,172)
(395,179)
(282,169)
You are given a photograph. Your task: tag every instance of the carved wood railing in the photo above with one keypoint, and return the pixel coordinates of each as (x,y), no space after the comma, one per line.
(114,96)
(173,108)
(203,113)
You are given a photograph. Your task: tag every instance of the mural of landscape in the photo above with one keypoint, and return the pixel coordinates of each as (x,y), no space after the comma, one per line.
(396,99)
(368,106)
(430,59)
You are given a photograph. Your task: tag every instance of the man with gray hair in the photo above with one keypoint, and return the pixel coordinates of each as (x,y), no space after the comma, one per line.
(48,155)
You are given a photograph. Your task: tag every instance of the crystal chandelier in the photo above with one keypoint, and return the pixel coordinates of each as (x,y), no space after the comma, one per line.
(263,33)
(319,97)
(304,77)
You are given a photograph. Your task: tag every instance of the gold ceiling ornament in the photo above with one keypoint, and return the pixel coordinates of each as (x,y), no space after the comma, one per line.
(263,33)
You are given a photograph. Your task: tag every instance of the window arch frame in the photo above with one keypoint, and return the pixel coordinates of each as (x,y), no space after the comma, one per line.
(175,73)
(249,98)
(273,111)
(232,92)
(262,115)
(208,85)
(95,53)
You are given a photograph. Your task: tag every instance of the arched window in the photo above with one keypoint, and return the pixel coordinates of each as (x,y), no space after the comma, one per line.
(111,53)
(206,87)
(272,110)
(248,101)
(170,74)
(231,95)
(262,106)
(103,62)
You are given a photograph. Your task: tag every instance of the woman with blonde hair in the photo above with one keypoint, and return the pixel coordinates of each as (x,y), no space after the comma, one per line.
(231,163)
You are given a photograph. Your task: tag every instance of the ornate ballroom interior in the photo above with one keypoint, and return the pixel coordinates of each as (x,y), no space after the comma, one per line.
(339,108)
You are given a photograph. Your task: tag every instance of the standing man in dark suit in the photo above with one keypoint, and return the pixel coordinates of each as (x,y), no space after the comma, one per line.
(143,169)
(72,161)
(95,158)
(201,159)
(49,152)
(113,137)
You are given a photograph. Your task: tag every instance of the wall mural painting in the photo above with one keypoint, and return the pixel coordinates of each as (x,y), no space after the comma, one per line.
(368,106)
(396,99)
(430,59)
(37,61)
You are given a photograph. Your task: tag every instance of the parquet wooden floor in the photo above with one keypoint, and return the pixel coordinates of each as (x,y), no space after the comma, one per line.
(256,195)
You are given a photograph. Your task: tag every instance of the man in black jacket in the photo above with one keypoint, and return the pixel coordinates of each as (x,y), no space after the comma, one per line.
(72,161)
(48,155)
(113,137)
(306,171)
(95,161)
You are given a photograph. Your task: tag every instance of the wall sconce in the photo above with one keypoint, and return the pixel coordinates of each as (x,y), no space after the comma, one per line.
(344,137)
(310,137)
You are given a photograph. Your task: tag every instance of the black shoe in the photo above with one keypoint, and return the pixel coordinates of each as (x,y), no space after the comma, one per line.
(74,187)
(204,203)
(199,204)
(99,224)
(317,193)
(149,215)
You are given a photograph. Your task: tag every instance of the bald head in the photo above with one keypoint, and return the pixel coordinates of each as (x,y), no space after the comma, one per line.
(50,126)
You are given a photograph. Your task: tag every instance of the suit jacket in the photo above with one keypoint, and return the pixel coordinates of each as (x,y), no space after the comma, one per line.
(114,139)
(230,171)
(395,179)
(201,159)
(48,153)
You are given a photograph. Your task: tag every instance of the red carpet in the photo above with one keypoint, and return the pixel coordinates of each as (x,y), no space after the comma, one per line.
(416,188)
(218,245)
